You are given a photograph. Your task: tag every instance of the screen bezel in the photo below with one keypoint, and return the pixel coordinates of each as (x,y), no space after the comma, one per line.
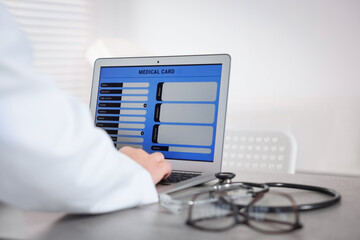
(224,59)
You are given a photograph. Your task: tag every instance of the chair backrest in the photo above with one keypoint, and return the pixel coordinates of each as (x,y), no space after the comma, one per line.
(269,151)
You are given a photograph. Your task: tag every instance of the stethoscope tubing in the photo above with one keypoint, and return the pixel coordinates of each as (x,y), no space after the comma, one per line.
(335,197)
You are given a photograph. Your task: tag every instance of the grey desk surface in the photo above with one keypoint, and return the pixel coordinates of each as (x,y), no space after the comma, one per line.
(152,222)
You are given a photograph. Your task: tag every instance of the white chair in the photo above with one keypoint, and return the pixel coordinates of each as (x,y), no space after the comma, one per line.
(267,151)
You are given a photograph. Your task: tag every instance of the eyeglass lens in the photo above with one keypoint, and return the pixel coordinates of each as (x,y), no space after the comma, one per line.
(273,220)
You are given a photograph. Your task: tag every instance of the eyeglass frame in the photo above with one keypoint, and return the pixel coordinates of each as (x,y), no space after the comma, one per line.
(243,211)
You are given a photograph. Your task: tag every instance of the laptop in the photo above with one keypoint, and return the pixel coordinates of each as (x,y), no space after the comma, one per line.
(175,105)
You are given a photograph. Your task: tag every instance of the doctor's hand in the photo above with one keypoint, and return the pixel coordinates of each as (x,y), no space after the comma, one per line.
(154,163)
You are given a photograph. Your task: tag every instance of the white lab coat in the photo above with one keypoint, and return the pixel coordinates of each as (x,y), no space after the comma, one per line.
(52,158)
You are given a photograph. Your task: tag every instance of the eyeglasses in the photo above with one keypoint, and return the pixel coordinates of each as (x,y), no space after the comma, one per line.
(227,204)
(222,210)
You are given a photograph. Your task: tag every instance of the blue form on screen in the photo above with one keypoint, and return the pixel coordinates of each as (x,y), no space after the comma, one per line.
(171,109)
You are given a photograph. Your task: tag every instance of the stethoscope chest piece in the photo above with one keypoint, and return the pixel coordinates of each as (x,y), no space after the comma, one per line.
(225,177)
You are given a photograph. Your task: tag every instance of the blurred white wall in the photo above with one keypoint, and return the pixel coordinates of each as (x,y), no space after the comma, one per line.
(295,64)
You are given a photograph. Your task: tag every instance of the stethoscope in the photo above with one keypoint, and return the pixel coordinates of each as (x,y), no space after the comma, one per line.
(225,178)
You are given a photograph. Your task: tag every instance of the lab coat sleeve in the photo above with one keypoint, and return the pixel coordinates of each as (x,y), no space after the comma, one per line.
(52,158)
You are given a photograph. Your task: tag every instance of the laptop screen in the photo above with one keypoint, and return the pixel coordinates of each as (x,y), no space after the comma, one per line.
(170,109)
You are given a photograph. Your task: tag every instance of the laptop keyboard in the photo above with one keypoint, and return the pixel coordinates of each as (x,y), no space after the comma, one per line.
(176,177)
